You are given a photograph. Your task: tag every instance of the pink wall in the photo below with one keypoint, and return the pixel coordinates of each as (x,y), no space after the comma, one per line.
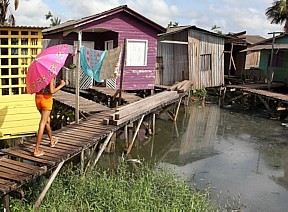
(140,77)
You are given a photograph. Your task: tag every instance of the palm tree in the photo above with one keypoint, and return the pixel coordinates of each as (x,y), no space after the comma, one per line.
(54,21)
(4,4)
(278,13)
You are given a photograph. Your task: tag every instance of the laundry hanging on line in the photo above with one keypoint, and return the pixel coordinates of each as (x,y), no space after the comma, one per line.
(91,62)
(111,64)
(100,65)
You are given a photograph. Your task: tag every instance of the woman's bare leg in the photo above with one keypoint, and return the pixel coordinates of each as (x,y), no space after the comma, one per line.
(43,121)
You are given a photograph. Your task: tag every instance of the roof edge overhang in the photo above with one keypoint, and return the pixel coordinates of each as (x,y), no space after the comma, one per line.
(266,47)
(194,28)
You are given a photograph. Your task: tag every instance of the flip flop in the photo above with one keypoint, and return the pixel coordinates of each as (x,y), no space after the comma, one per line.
(54,143)
(41,153)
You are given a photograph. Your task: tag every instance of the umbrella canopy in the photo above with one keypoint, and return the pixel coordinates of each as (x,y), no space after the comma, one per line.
(45,67)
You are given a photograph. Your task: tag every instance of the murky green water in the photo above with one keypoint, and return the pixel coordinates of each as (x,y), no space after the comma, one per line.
(237,155)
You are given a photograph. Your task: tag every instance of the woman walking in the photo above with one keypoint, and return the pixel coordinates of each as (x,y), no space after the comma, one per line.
(44,103)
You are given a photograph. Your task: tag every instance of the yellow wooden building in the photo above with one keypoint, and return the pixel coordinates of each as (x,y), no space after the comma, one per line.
(18,114)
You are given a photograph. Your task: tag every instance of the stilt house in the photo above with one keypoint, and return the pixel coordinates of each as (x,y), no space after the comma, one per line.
(268,59)
(190,53)
(18,114)
(234,60)
(108,30)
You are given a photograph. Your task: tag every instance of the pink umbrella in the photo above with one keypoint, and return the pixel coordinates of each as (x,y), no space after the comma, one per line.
(45,67)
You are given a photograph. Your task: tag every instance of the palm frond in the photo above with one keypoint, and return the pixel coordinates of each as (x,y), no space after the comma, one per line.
(16,4)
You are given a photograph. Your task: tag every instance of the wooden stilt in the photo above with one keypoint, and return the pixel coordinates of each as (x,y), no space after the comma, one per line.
(176,129)
(49,183)
(178,107)
(266,106)
(82,161)
(169,114)
(152,146)
(102,149)
(110,145)
(90,158)
(135,134)
(126,133)
(153,123)
(6,202)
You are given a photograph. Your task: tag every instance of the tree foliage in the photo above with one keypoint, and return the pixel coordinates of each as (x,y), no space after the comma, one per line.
(173,24)
(4,5)
(54,20)
(278,13)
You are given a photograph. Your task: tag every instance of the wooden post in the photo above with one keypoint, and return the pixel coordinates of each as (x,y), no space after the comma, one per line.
(6,202)
(135,134)
(77,89)
(102,149)
(230,60)
(122,71)
(82,161)
(126,133)
(178,107)
(90,158)
(176,129)
(49,183)
(152,146)
(153,123)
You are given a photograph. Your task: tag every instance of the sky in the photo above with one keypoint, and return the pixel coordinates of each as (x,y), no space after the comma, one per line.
(230,15)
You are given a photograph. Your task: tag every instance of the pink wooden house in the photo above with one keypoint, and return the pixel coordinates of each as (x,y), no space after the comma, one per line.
(108,30)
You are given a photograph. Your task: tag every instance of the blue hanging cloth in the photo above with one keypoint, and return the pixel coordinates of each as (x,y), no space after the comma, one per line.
(85,68)
(95,72)
(98,67)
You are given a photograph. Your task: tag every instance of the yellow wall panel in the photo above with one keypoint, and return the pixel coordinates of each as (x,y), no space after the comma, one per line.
(18,113)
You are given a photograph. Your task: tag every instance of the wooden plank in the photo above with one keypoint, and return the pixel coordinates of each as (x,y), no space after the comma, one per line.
(145,106)
(24,165)
(28,157)
(19,168)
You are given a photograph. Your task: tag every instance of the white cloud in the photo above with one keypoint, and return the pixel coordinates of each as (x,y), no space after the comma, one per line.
(230,15)
(31,13)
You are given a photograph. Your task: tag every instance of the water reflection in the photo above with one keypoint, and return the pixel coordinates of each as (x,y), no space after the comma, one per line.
(239,155)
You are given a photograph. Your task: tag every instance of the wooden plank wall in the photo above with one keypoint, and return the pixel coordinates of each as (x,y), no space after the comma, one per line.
(202,43)
(135,77)
(18,116)
(175,59)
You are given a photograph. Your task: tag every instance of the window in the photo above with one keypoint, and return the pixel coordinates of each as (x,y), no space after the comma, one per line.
(205,62)
(136,53)
(278,59)
(108,44)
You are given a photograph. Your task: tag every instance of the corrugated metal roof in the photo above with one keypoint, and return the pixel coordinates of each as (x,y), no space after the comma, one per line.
(251,39)
(23,27)
(181,28)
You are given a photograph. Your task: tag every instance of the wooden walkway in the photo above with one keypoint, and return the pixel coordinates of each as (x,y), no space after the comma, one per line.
(127,97)
(258,89)
(85,105)
(73,139)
